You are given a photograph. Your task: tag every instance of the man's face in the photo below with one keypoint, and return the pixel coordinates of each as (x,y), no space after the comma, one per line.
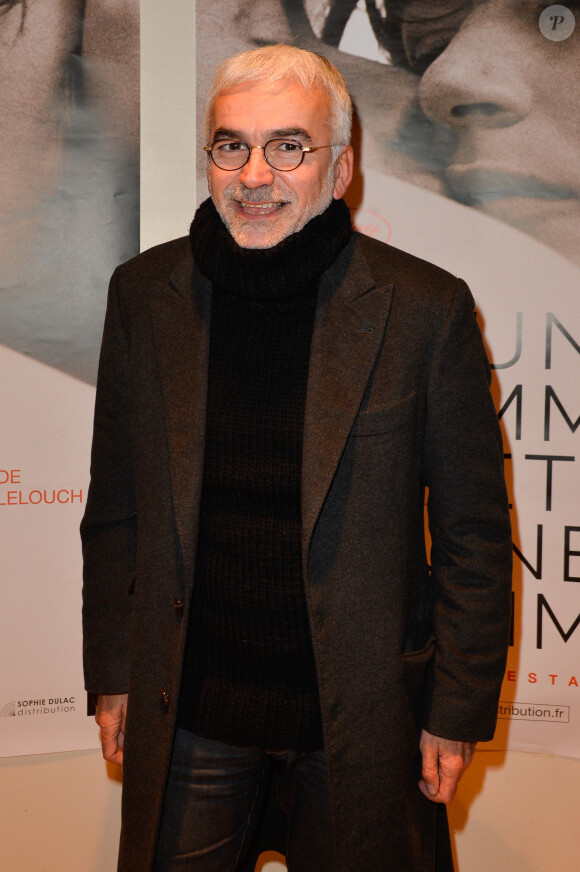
(259,205)
(490,76)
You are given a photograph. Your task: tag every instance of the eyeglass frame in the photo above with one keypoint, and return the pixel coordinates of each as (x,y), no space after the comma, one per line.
(306,149)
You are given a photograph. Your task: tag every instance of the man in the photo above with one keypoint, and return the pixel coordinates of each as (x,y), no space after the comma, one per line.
(257,591)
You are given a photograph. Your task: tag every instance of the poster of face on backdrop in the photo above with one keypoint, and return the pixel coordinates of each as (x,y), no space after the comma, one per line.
(69,190)
(69,175)
(466,137)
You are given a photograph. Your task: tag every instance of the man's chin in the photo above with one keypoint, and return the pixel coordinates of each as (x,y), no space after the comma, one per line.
(258,236)
(256,245)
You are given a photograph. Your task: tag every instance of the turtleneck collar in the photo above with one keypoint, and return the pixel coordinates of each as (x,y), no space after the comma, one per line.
(286,270)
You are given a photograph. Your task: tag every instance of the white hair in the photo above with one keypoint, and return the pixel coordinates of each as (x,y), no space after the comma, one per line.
(274,63)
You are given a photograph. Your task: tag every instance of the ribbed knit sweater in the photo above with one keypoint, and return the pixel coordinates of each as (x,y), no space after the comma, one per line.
(249,672)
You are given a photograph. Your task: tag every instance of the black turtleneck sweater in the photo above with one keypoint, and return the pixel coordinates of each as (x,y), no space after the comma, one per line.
(249,672)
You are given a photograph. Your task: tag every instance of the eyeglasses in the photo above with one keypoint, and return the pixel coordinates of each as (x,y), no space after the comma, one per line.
(281,154)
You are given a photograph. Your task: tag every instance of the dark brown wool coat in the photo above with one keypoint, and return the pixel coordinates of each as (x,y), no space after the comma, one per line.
(397,401)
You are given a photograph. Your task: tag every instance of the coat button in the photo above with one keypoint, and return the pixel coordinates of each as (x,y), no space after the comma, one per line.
(178,606)
(164,700)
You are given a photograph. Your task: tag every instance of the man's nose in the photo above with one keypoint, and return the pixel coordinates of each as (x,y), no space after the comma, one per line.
(257,171)
(479,79)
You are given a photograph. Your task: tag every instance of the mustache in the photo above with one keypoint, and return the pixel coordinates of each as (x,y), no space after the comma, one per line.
(265,193)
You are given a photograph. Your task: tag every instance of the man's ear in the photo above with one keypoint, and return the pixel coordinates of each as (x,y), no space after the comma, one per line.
(343,169)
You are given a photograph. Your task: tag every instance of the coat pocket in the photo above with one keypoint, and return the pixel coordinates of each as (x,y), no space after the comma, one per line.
(371,422)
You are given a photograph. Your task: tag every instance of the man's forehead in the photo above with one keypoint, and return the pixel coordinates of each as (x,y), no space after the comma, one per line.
(278,105)
(282,88)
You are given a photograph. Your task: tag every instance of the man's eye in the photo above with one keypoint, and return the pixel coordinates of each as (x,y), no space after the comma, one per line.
(287,147)
(230,147)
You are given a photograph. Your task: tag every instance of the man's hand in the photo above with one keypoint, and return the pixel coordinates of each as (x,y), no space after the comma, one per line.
(110,716)
(444,762)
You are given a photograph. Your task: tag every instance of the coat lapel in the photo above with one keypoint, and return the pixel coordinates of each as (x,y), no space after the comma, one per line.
(349,327)
(181,330)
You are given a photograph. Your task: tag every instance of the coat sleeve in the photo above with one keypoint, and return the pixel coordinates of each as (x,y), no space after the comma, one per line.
(471,551)
(108,528)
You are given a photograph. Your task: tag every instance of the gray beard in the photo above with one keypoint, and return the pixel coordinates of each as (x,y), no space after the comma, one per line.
(275,195)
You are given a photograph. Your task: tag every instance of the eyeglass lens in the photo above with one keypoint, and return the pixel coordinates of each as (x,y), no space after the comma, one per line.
(281,154)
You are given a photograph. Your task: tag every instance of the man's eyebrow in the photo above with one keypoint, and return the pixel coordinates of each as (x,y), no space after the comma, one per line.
(278,133)
(226,133)
(291,132)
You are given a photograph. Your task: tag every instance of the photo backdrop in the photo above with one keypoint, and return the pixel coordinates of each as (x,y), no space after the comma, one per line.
(467,146)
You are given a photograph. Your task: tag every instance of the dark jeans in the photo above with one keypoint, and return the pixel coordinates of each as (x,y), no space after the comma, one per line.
(215,799)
